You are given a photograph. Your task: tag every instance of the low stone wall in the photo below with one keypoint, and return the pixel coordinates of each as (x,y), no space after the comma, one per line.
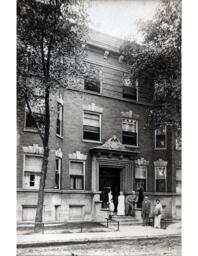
(59,206)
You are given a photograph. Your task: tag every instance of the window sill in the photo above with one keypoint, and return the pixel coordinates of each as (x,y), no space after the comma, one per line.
(30,130)
(160,149)
(178,149)
(130,146)
(59,136)
(91,141)
(93,92)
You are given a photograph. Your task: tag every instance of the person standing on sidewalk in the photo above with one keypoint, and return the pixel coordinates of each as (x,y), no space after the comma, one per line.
(158,214)
(146,210)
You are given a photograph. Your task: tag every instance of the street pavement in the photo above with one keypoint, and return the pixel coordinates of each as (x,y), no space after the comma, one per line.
(168,246)
(125,233)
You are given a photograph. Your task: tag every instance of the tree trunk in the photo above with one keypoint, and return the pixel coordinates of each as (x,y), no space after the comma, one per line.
(39,210)
(41,193)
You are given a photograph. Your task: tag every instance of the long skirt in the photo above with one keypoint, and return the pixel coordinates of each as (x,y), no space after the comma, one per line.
(157,221)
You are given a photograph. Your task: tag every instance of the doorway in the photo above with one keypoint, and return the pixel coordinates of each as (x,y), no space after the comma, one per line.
(109,178)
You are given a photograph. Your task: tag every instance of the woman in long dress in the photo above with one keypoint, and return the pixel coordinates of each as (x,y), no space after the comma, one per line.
(121,205)
(111,204)
(158,214)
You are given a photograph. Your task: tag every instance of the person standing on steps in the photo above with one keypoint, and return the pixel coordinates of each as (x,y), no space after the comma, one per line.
(121,205)
(111,204)
(140,198)
(131,201)
(146,210)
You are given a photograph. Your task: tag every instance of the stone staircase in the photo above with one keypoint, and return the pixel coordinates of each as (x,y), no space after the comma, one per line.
(126,220)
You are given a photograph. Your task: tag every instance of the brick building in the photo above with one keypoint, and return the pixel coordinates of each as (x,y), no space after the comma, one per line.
(98,140)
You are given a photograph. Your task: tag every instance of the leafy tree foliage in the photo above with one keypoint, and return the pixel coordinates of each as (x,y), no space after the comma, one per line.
(159,58)
(51,35)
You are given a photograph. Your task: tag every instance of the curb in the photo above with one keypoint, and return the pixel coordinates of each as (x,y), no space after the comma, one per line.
(94,240)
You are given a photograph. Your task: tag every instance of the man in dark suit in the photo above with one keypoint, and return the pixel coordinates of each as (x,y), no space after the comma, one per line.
(146,210)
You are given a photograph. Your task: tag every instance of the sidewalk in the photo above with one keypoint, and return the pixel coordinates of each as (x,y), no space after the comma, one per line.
(125,233)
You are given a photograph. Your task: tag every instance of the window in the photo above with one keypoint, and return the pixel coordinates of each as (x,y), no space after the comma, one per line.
(59,120)
(32,171)
(160,138)
(76,175)
(58,172)
(140,177)
(29,121)
(93,82)
(178,141)
(178,180)
(130,90)
(91,126)
(130,132)
(160,179)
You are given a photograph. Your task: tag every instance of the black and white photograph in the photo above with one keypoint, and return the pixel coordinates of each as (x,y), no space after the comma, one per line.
(99,130)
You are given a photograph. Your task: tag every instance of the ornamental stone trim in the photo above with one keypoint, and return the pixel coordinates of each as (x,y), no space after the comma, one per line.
(35,149)
(160,163)
(141,161)
(130,114)
(77,156)
(93,108)
(59,153)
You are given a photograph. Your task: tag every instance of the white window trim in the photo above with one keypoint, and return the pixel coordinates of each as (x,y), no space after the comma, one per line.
(157,179)
(79,161)
(23,178)
(165,148)
(100,123)
(137,128)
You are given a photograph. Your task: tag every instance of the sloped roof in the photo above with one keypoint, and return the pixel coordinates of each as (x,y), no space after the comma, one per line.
(104,41)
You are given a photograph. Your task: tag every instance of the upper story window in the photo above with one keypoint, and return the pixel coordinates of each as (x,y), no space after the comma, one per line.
(130,132)
(91,126)
(59,119)
(93,81)
(32,171)
(160,138)
(130,90)
(178,180)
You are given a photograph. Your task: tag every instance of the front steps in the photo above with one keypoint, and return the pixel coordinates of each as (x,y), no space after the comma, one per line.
(125,220)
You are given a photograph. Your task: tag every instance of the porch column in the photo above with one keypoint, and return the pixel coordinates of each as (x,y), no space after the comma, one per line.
(94,173)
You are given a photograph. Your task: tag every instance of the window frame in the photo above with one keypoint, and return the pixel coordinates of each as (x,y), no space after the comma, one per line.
(142,179)
(100,79)
(159,179)
(100,126)
(134,87)
(59,171)
(61,121)
(24,161)
(71,175)
(137,128)
(178,179)
(160,148)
